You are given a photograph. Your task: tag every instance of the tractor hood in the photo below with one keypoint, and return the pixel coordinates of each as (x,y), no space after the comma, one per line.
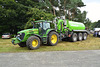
(29,31)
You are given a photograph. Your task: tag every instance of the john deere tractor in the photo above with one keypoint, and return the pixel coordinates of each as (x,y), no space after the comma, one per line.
(41,33)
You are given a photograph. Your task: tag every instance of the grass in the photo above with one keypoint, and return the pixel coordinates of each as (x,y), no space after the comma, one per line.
(92,43)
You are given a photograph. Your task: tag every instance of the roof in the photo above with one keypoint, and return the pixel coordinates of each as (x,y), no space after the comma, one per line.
(96,29)
(42,21)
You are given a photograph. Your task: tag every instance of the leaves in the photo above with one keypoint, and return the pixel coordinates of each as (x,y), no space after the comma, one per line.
(14,14)
(37,14)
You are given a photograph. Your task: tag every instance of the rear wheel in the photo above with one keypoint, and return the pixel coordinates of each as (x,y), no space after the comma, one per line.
(22,44)
(79,36)
(73,38)
(84,36)
(33,42)
(53,39)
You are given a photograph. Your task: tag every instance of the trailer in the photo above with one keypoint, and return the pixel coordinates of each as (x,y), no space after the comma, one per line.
(96,32)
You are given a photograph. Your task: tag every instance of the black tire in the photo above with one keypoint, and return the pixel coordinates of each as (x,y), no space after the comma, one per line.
(73,38)
(84,36)
(50,42)
(80,37)
(30,45)
(22,44)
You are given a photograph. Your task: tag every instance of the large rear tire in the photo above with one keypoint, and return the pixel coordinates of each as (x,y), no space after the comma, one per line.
(79,36)
(73,38)
(84,36)
(33,42)
(53,39)
(22,44)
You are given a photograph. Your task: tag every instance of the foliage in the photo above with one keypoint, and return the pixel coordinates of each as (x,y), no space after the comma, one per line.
(68,8)
(95,24)
(14,14)
(88,23)
(37,15)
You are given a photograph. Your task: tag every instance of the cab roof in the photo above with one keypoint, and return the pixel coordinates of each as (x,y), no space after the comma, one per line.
(42,21)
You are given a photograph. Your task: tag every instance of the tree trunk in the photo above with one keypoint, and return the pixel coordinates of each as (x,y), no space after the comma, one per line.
(59,11)
(65,8)
(68,14)
(54,13)
(51,12)
(73,14)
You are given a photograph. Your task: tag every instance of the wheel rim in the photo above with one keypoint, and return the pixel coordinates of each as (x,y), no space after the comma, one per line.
(35,43)
(54,38)
(85,36)
(80,37)
(75,38)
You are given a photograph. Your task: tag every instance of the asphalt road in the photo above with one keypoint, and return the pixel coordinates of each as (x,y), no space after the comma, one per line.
(89,58)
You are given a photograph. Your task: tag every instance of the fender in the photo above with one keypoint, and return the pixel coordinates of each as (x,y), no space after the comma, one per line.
(82,31)
(37,36)
(51,31)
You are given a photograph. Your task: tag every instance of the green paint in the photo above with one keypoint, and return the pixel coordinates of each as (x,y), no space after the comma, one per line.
(44,30)
(16,41)
(33,32)
(70,24)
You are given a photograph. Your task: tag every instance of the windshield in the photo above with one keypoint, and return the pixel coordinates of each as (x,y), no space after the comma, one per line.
(6,33)
(45,25)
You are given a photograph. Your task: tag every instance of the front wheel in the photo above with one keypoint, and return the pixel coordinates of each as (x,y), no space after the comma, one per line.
(33,42)
(53,39)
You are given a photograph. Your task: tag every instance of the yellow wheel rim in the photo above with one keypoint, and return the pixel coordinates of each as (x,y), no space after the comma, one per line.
(35,43)
(54,38)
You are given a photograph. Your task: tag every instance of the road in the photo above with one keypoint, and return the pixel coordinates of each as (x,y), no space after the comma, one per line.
(90,58)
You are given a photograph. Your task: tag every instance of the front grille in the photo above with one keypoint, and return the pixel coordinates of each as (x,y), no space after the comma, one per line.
(21,36)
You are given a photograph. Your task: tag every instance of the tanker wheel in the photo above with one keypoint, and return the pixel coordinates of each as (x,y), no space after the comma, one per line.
(79,36)
(22,44)
(84,36)
(53,39)
(33,42)
(73,38)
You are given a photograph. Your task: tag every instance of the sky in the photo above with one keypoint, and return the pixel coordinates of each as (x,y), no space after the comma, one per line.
(93,9)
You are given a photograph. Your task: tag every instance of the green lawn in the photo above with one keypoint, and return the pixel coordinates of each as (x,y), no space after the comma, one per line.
(92,43)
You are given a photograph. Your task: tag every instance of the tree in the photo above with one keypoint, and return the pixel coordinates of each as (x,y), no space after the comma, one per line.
(88,23)
(49,5)
(37,15)
(95,24)
(14,14)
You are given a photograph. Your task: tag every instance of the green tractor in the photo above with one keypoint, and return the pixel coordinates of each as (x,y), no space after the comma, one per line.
(41,33)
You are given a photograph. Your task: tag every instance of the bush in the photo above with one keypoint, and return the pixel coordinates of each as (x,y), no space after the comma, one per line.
(13,35)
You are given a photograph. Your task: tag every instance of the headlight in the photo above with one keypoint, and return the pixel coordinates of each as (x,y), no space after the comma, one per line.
(20,36)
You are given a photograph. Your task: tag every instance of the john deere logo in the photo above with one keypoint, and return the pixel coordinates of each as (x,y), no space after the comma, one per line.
(35,30)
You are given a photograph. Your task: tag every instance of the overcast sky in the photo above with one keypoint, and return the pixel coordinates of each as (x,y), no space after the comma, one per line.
(93,9)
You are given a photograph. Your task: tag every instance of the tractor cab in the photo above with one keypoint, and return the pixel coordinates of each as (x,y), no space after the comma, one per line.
(42,25)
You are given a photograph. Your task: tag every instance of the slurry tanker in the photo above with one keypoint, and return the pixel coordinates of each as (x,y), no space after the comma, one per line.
(42,33)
